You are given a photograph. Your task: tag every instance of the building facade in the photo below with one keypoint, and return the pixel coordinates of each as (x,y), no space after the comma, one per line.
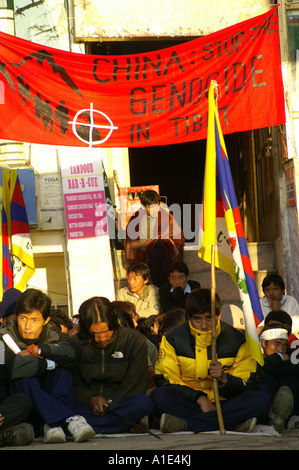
(264,162)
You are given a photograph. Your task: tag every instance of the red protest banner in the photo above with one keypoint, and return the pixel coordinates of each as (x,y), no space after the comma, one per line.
(50,96)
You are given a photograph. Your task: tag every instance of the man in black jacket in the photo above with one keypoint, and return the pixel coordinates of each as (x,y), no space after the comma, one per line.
(38,364)
(113,370)
(174,292)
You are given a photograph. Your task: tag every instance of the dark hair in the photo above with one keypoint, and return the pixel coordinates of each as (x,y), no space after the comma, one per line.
(145,325)
(58,317)
(34,299)
(199,301)
(172,319)
(124,305)
(125,319)
(97,310)
(279,316)
(180,267)
(149,197)
(276,279)
(140,269)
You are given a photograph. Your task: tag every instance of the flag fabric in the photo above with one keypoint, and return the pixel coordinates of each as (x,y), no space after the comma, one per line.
(17,255)
(222,226)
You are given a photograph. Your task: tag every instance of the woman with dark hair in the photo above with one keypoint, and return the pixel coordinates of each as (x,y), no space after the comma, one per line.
(113,369)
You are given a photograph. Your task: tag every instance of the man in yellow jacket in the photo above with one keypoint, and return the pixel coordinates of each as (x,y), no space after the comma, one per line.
(184,397)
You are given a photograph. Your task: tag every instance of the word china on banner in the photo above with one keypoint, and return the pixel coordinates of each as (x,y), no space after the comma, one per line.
(50,96)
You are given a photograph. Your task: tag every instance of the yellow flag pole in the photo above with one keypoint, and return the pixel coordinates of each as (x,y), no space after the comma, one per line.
(210,227)
(214,351)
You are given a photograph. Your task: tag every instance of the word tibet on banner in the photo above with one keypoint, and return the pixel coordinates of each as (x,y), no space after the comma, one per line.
(50,96)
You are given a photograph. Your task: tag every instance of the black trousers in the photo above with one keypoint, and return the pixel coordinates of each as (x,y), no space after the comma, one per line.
(15,409)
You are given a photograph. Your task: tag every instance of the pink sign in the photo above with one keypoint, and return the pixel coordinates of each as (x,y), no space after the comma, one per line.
(84,199)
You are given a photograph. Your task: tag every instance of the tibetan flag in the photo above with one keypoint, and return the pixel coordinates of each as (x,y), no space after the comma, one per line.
(17,257)
(222,226)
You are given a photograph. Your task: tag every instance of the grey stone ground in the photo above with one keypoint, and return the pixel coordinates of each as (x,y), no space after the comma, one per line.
(152,450)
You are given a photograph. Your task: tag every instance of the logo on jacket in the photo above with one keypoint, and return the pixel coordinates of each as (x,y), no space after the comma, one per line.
(161,355)
(117,355)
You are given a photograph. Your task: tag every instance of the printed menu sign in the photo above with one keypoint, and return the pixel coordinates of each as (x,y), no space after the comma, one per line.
(89,252)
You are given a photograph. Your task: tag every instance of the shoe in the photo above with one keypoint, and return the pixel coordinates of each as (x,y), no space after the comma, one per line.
(281,408)
(53,434)
(144,422)
(170,423)
(79,428)
(293,422)
(246,426)
(19,435)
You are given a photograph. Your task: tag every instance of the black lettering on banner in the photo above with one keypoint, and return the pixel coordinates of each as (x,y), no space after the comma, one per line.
(224,110)
(140,101)
(255,72)
(156,67)
(228,47)
(174,92)
(139,132)
(265,27)
(208,48)
(174,60)
(269,31)
(197,95)
(156,99)
(242,84)
(95,69)
(208,82)
(116,68)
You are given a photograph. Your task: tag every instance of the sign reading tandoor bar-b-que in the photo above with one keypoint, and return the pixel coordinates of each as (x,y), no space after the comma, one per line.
(50,96)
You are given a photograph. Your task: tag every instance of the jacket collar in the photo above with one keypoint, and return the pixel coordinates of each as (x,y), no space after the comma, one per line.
(144,294)
(204,338)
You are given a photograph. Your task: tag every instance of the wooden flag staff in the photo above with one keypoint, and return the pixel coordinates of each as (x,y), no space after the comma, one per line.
(214,352)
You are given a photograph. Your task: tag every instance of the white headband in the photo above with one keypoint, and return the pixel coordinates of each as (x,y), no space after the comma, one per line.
(275,333)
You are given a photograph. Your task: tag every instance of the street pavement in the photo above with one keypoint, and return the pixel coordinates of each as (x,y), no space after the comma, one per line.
(177,448)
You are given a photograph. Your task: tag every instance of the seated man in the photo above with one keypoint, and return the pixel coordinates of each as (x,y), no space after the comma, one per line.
(113,370)
(38,364)
(144,296)
(173,293)
(185,400)
(275,299)
(282,376)
(154,237)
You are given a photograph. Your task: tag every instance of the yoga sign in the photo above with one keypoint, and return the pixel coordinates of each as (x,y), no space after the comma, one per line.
(50,96)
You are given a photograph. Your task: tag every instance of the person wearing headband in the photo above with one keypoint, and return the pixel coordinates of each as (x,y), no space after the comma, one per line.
(282,377)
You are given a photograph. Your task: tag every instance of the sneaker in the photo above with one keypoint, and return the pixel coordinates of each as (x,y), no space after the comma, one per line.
(293,422)
(79,428)
(170,423)
(19,435)
(53,434)
(281,408)
(246,426)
